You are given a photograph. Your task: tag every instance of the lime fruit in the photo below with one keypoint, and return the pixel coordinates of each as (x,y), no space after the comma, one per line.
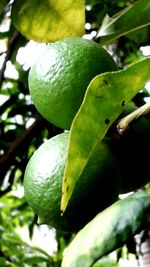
(59,78)
(96,189)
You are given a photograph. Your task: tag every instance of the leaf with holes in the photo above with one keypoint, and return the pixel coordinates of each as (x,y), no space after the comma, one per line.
(103,102)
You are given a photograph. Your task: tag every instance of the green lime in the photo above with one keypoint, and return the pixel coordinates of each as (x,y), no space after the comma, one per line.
(59,78)
(96,189)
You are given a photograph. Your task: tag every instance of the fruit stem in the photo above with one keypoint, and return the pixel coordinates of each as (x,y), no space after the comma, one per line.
(124,124)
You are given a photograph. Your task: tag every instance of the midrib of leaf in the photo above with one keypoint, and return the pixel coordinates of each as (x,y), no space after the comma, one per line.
(108,39)
(79,153)
(119,25)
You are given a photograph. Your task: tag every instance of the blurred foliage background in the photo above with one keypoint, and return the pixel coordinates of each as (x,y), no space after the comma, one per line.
(23,130)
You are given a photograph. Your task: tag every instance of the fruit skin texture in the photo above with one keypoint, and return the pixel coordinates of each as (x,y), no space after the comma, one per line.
(59,78)
(96,189)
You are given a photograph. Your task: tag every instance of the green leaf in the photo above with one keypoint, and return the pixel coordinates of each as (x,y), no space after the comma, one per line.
(104,100)
(49,20)
(106,262)
(109,230)
(32,260)
(130,19)
(4,262)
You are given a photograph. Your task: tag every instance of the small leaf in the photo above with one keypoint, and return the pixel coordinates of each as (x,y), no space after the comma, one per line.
(104,100)
(109,230)
(49,20)
(130,19)
(33,260)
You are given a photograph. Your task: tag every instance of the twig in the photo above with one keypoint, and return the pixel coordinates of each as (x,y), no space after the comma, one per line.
(124,124)
(8,55)
(19,144)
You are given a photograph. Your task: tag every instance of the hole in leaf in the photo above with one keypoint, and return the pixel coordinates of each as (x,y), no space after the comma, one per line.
(123,103)
(107,121)
(67,189)
(106,82)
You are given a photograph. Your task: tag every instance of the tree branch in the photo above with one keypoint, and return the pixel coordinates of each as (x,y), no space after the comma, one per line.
(19,144)
(8,55)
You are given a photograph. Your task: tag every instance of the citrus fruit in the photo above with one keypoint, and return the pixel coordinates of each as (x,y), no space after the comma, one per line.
(96,189)
(131,152)
(59,78)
